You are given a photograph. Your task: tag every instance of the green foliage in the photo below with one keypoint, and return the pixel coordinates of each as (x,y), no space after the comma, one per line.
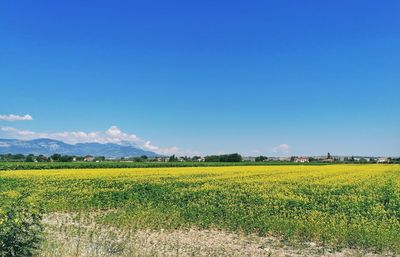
(30,158)
(21,230)
(224,158)
(173,158)
(56,157)
(141,164)
(261,158)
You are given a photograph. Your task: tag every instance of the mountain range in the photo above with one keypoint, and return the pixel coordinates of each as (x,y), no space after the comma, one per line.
(48,147)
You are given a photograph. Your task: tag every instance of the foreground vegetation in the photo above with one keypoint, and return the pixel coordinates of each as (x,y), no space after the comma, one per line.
(334,205)
(21,227)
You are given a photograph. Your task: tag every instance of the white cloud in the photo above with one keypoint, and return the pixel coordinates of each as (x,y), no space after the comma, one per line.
(118,136)
(21,133)
(13,117)
(281,149)
(167,151)
(112,135)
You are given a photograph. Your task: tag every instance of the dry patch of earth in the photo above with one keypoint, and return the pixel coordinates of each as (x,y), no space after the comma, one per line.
(68,235)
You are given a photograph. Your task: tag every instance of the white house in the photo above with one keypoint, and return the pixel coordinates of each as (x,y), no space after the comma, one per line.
(302,159)
(382,160)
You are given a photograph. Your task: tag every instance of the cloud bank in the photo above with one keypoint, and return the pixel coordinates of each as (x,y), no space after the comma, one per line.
(13,117)
(112,135)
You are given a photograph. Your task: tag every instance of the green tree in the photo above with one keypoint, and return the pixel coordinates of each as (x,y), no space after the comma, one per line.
(173,158)
(56,157)
(66,158)
(261,158)
(42,158)
(18,157)
(30,158)
(212,158)
(100,158)
(224,158)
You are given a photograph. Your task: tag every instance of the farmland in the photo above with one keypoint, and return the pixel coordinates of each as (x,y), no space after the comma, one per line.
(122,164)
(337,206)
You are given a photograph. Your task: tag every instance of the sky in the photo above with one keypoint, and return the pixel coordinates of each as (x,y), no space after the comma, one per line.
(275,78)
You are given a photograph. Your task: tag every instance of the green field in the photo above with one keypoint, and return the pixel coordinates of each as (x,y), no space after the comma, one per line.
(335,205)
(121,164)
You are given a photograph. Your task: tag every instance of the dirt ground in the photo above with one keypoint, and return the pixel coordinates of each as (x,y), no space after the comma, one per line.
(68,235)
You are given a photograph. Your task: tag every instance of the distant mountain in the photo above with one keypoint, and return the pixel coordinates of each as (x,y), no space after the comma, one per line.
(49,146)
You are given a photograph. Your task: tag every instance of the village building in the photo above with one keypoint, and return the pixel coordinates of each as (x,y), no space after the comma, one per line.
(88,158)
(382,160)
(302,159)
(249,159)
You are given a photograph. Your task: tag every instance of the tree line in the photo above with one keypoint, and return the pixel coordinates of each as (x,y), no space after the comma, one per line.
(42,158)
(71,158)
(235,157)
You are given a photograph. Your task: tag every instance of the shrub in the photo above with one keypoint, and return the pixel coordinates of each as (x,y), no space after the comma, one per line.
(21,229)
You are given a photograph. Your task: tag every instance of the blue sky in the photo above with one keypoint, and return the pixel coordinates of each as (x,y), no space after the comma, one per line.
(264,77)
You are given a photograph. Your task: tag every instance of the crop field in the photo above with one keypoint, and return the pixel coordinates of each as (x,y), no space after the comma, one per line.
(334,206)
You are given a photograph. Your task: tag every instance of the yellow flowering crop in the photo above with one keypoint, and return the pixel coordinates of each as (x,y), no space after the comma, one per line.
(340,205)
